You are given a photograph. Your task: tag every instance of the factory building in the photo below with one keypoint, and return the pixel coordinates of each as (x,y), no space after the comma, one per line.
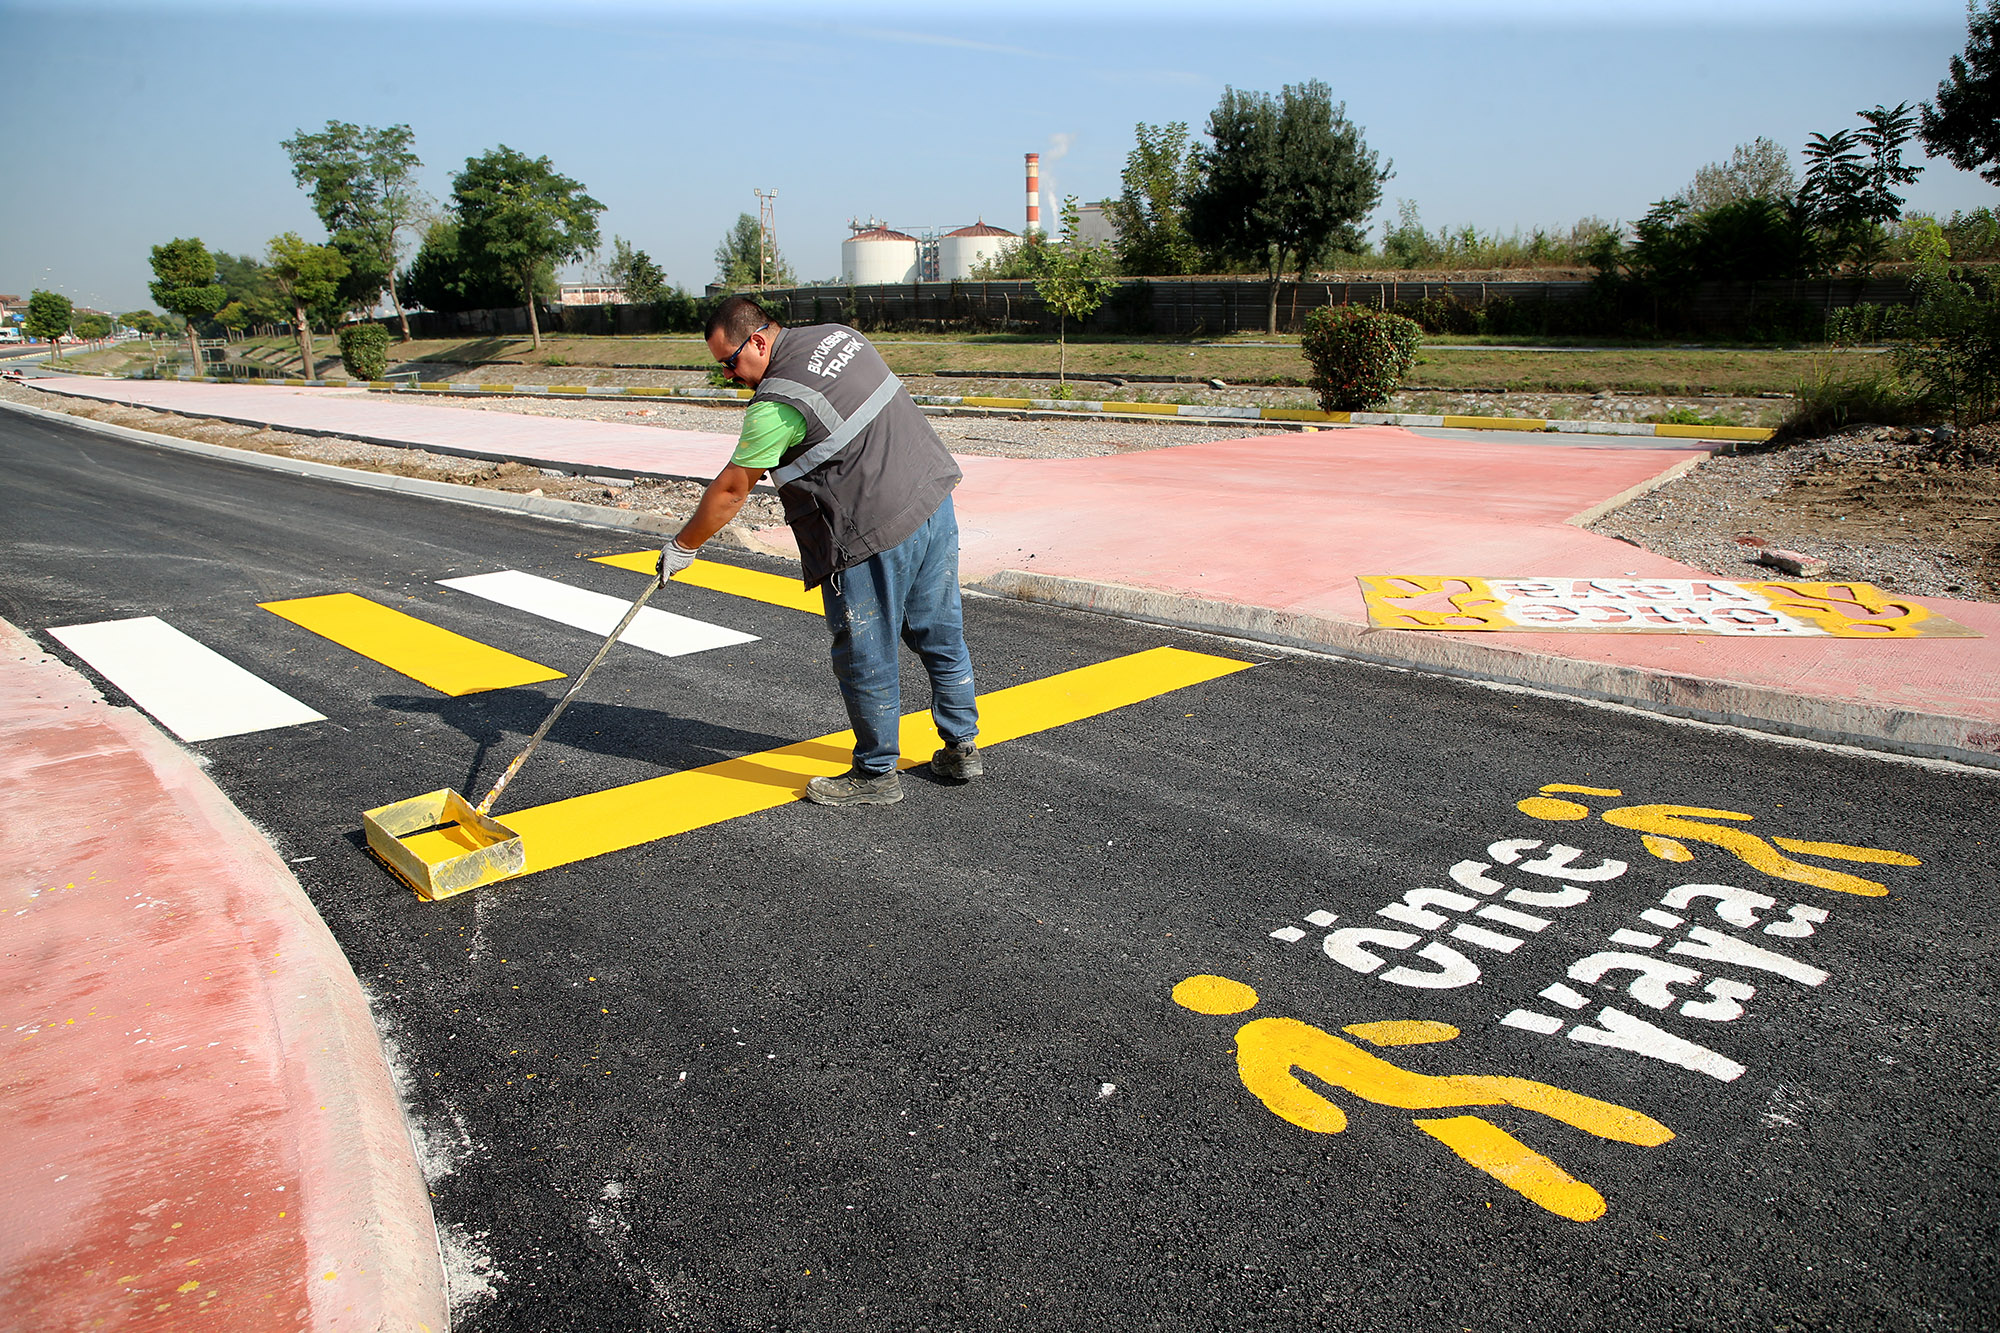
(878,254)
(958,252)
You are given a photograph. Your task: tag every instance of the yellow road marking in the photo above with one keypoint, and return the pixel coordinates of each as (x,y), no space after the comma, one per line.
(751,583)
(449,663)
(608,821)
(1517,1166)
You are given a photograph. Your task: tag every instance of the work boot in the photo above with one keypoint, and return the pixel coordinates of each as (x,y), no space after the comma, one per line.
(958,762)
(857,788)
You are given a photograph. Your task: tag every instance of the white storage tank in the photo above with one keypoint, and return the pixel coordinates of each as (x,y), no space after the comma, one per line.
(959,251)
(878,255)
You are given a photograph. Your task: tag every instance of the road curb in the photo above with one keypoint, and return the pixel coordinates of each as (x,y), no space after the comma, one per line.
(317,1104)
(1895,730)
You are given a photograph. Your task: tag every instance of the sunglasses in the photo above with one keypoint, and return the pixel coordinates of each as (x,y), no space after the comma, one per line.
(729,362)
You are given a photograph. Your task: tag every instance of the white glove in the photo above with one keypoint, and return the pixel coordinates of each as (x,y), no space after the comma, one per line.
(673,559)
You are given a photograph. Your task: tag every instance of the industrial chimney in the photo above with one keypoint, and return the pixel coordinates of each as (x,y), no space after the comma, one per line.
(1034,192)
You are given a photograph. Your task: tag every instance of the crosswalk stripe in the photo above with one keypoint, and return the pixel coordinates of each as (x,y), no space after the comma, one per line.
(607,821)
(430,654)
(754,584)
(187,687)
(656,631)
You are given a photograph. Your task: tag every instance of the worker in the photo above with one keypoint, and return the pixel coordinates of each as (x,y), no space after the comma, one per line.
(866,485)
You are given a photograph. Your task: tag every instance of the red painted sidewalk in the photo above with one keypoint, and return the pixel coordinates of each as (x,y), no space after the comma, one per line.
(197,1126)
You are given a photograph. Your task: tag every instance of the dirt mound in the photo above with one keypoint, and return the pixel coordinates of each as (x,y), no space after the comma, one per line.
(1911,511)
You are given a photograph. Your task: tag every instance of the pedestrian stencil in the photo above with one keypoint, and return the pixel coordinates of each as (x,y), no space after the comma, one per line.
(1268,1050)
(1640,973)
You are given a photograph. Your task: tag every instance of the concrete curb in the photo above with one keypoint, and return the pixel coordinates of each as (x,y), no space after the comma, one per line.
(1470,657)
(654,526)
(315,1104)
(1075,407)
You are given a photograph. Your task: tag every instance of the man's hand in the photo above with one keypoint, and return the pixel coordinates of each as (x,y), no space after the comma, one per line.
(673,559)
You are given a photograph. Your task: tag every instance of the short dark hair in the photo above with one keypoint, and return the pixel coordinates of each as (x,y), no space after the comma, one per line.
(737,318)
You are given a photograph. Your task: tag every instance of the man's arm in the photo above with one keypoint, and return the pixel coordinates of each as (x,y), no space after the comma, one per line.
(719,504)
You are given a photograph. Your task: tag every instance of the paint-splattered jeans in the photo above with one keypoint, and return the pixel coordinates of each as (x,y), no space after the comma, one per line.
(907,593)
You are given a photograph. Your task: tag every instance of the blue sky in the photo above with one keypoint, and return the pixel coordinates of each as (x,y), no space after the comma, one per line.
(129,124)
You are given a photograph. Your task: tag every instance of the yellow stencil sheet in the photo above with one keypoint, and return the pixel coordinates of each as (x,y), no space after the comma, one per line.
(1858,611)
(449,663)
(1634,605)
(1432,601)
(751,583)
(609,821)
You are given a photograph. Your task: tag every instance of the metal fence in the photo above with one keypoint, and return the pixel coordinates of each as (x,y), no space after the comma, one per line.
(1192,307)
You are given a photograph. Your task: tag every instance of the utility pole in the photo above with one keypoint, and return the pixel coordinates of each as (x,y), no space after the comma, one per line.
(767,233)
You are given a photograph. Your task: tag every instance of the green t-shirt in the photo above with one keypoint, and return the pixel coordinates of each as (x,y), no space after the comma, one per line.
(768,430)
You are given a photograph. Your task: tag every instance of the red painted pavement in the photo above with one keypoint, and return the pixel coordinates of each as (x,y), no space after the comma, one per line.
(197,1127)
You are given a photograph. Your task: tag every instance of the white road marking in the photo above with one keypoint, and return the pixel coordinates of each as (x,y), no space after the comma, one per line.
(189,688)
(660,632)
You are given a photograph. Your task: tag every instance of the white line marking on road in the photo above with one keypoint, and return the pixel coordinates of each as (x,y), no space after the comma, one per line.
(189,688)
(660,632)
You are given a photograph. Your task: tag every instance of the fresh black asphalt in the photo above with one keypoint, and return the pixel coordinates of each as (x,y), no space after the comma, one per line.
(920,1067)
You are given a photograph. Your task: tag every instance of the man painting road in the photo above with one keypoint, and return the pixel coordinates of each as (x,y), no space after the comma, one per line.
(867,487)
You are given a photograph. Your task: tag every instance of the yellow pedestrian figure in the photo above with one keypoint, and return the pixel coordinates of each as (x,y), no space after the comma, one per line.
(1269,1049)
(1666,829)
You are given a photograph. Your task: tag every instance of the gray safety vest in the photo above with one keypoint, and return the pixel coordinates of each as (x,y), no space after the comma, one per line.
(870,470)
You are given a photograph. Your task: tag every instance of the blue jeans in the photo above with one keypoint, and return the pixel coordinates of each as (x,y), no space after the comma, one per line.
(908,592)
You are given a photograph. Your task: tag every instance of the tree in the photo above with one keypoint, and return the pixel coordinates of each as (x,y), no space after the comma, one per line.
(1071,283)
(250,293)
(184,282)
(443,276)
(736,259)
(524,218)
(1759,169)
(308,276)
(363,191)
(1850,186)
(90,324)
(1150,214)
(1963,125)
(49,315)
(145,321)
(1283,177)
(1881,141)
(635,273)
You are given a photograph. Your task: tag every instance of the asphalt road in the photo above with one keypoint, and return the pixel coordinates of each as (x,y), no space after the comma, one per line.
(930,1066)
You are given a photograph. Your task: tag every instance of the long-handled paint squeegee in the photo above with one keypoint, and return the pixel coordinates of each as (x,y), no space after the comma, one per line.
(439,843)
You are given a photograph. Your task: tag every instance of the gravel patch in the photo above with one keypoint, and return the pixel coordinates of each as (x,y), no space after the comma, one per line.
(1912,512)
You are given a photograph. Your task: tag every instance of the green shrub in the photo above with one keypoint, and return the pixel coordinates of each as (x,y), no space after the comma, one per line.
(364,350)
(1825,405)
(1359,355)
(1688,416)
(1947,341)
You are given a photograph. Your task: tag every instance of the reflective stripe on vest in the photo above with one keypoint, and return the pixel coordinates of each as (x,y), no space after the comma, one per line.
(842,433)
(806,399)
